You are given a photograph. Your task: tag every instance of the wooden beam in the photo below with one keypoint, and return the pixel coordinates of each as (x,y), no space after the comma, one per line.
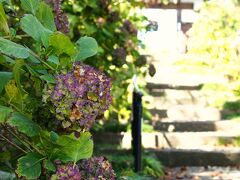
(153,4)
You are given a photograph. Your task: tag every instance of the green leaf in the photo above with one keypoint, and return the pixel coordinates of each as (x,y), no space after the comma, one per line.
(12,49)
(5,156)
(65,61)
(5,77)
(74,149)
(12,92)
(53,137)
(29,166)
(24,124)
(87,47)
(61,44)
(48,78)
(3,21)
(17,71)
(53,59)
(30,5)
(4,113)
(7,175)
(45,16)
(35,29)
(49,165)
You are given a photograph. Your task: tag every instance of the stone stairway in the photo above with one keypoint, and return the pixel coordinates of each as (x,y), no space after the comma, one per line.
(189,131)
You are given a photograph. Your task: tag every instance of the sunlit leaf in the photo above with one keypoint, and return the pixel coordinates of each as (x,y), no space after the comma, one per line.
(12,49)
(29,166)
(35,29)
(3,21)
(87,47)
(30,5)
(62,44)
(12,91)
(45,16)
(74,149)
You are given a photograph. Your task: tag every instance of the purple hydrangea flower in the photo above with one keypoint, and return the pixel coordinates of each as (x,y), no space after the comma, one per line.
(96,168)
(67,172)
(80,96)
(61,19)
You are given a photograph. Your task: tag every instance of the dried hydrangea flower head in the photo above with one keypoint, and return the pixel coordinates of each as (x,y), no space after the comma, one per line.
(67,172)
(96,168)
(80,96)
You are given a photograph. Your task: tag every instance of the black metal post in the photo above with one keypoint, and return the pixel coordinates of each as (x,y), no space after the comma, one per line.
(136,130)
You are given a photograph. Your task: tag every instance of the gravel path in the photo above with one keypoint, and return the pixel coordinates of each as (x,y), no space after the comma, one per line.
(203,173)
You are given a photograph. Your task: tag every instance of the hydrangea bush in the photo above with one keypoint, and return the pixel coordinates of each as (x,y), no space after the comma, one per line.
(115,25)
(43,80)
(80,96)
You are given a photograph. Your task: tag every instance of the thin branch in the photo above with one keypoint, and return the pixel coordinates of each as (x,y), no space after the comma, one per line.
(16,146)
(17,36)
(46,64)
(20,140)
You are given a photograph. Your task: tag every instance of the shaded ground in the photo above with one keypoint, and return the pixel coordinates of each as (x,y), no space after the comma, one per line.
(203,173)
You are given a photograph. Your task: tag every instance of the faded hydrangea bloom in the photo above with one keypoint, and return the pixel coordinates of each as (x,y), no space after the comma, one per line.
(128,27)
(80,96)
(67,172)
(96,168)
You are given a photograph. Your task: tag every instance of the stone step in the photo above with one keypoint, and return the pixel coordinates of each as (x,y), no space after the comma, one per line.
(156,140)
(196,126)
(153,86)
(187,157)
(186,112)
(198,157)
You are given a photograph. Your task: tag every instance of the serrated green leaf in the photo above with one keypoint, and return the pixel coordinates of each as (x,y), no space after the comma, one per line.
(29,166)
(74,149)
(45,16)
(4,77)
(30,5)
(61,44)
(87,47)
(24,124)
(3,21)
(48,78)
(35,29)
(12,49)
(4,113)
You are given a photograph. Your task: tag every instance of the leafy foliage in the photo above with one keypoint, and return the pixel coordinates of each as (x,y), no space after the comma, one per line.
(24,125)
(115,27)
(12,49)
(214,44)
(29,166)
(32,55)
(87,47)
(73,149)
